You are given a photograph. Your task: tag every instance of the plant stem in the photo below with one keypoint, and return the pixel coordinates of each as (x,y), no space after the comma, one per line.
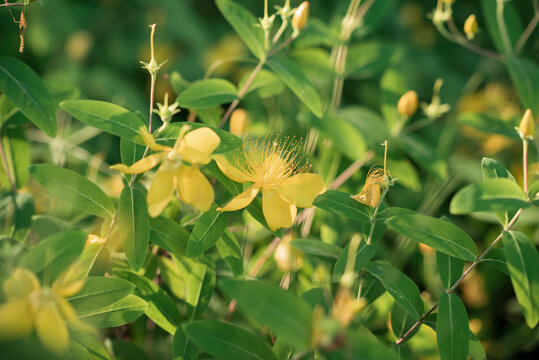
(242,92)
(373,219)
(7,170)
(6,4)
(502,28)
(419,322)
(527,33)
(525,164)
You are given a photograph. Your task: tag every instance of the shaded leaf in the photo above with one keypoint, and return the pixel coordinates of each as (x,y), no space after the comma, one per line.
(133,225)
(340,203)
(207,231)
(452,328)
(207,93)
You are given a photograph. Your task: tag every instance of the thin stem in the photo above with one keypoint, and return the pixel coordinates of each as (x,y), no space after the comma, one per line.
(241,93)
(7,170)
(503,29)
(373,219)
(12,4)
(419,322)
(527,33)
(152,90)
(525,164)
(280,32)
(456,37)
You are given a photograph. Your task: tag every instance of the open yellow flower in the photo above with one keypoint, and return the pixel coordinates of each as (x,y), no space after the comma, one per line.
(274,167)
(30,306)
(179,169)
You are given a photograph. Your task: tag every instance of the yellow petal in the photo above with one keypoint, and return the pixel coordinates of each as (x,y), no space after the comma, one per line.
(149,140)
(369,195)
(140,166)
(51,328)
(67,289)
(194,188)
(230,171)
(203,139)
(16,319)
(302,189)
(20,284)
(192,155)
(242,200)
(278,212)
(160,191)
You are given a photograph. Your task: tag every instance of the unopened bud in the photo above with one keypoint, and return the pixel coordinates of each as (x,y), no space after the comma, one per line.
(345,306)
(526,128)
(300,16)
(239,121)
(470,27)
(408,103)
(287,257)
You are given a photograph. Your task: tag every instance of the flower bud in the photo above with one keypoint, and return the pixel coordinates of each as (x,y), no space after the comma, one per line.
(470,27)
(345,306)
(287,257)
(407,105)
(526,128)
(300,16)
(239,121)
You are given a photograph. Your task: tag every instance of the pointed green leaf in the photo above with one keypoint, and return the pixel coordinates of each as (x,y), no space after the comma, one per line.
(342,204)
(182,347)
(525,76)
(523,265)
(133,225)
(317,248)
(245,24)
(439,234)
(207,93)
(120,313)
(230,251)
(296,80)
(100,291)
(493,195)
(227,341)
(364,254)
(74,189)
(449,267)
(106,116)
(207,231)
(25,89)
(269,305)
(399,286)
(169,235)
(452,328)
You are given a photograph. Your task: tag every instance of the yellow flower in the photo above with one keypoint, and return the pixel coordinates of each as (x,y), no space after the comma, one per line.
(179,169)
(471,27)
(30,306)
(274,168)
(287,257)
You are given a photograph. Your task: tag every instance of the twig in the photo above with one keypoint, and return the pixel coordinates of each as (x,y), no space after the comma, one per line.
(6,4)
(419,322)
(527,32)
(456,37)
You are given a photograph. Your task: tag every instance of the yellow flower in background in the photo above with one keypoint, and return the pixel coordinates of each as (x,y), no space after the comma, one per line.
(274,167)
(29,306)
(179,169)
(471,27)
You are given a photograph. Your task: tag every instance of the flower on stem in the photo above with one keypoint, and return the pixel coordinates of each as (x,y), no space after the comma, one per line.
(435,109)
(299,20)
(179,169)
(274,167)
(166,112)
(239,121)
(376,180)
(407,105)
(526,129)
(30,306)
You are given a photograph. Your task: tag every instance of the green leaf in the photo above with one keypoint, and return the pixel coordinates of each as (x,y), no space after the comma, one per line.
(54,253)
(439,234)
(345,136)
(317,248)
(133,226)
(207,93)
(16,215)
(230,251)
(207,231)
(161,308)
(399,286)
(106,116)
(492,169)
(130,152)
(120,313)
(533,192)
(265,84)
(269,305)
(340,203)
(227,342)
(18,157)
(424,154)
(74,189)
(476,351)
(228,141)
(364,254)
(245,24)
(362,345)
(493,195)
(100,291)
(449,267)
(200,284)
(525,76)
(496,258)
(452,328)
(522,262)
(296,80)
(25,89)
(91,346)
(182,347)
(169,235)
(401,321)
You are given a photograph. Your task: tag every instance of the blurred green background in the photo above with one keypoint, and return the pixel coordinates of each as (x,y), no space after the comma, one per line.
(92,49)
